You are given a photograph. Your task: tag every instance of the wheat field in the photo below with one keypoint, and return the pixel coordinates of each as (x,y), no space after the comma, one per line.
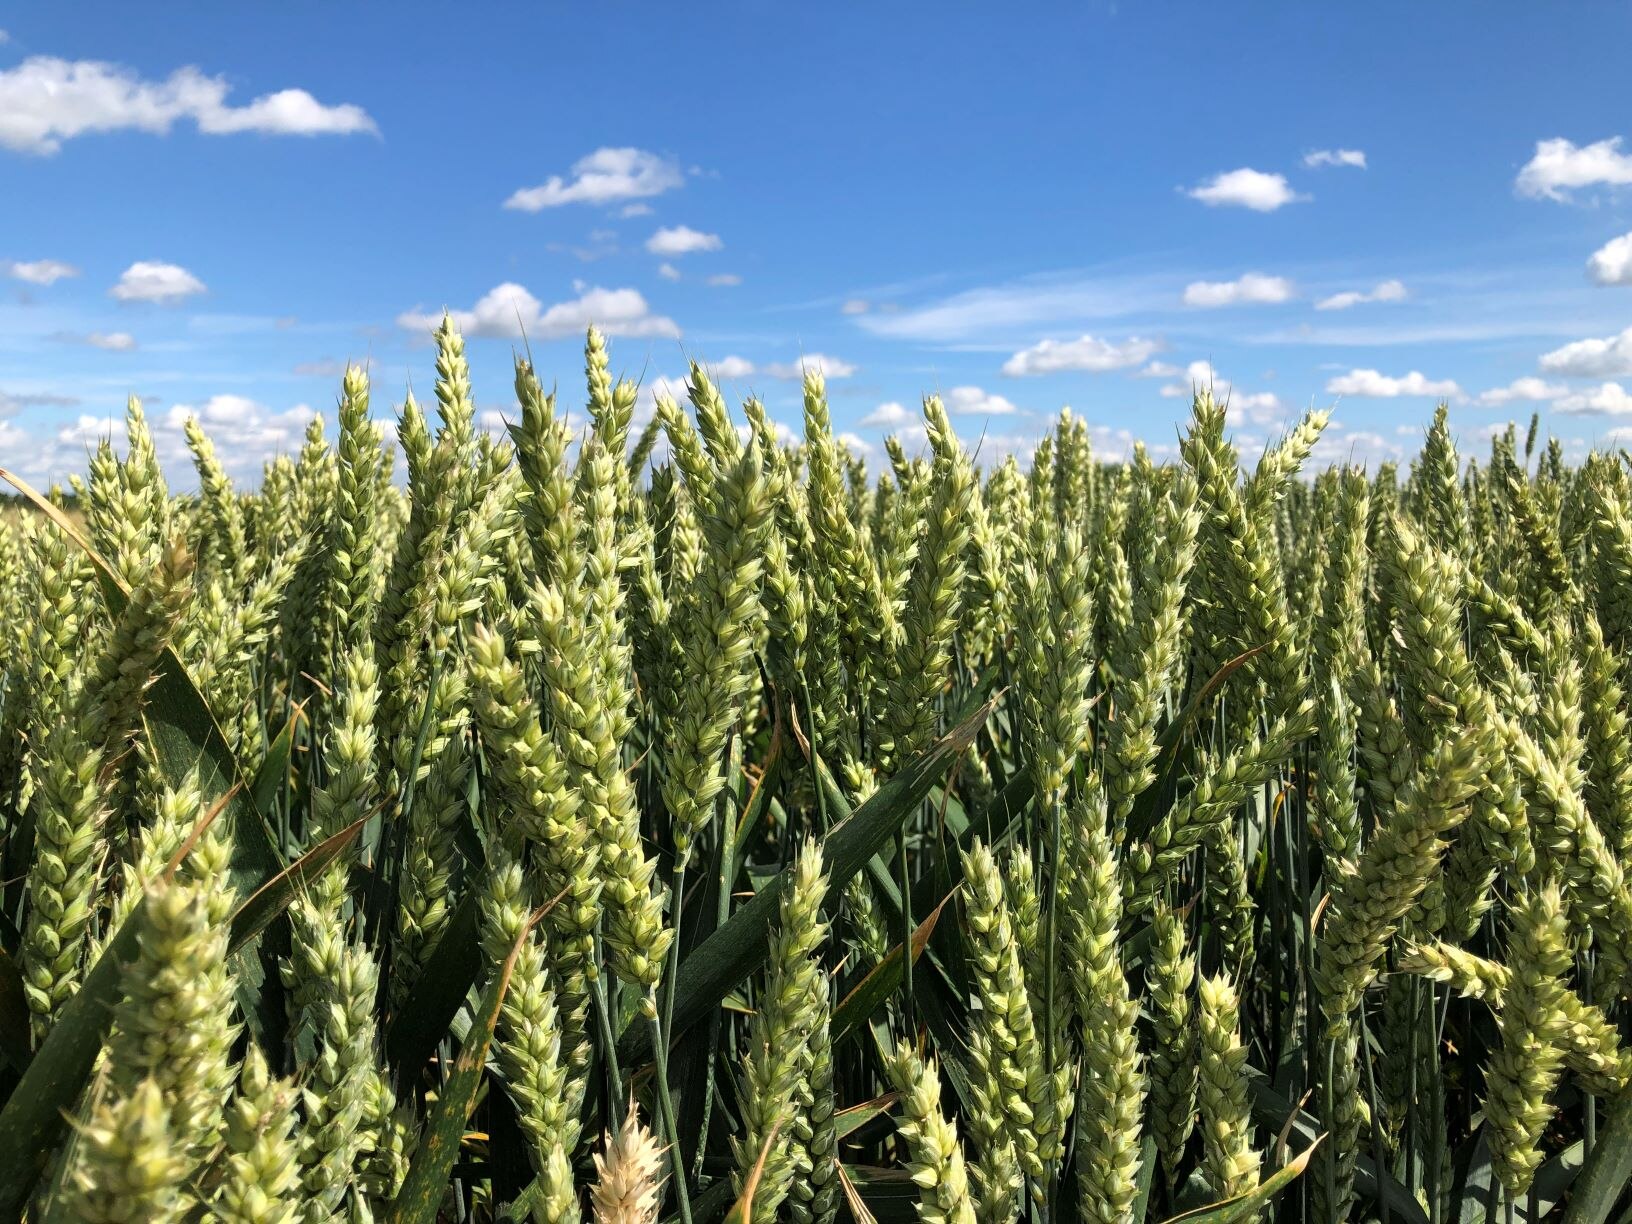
(692,823)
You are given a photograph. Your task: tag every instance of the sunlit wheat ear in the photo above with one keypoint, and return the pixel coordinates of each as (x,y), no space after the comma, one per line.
(1232,1161)
(780,1050)
(258,1184)
(129,1167)
(935,1160)
(629,1175)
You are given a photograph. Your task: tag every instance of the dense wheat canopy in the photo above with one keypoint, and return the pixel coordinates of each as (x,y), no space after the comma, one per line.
(659,818)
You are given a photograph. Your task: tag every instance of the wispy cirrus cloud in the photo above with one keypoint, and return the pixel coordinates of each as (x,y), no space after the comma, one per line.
(1335,157)
(1386,291)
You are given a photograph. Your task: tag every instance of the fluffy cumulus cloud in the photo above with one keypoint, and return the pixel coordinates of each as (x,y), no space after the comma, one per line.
(1606,399)
(674,240)
(831,367)
(1245,188)
(1241,407)
(1086,353)
(973,401)
(246,433)
(45,101)
(606,176)
(510,312)
(1609,357)
(1335,157)
(1523,390)
(1196,374)
(856,443)
(1387,291)
(1372,384)
(151,281)
(1611,264)
(668,271)
(1253,289)
(40,271)
(1561,166)
(730,367)
(892,415)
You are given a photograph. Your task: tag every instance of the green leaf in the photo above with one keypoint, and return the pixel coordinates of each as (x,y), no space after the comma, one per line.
(1146,1178)
(427,1182)
(273,897)
(739,947)
(274,770)
(1247,1206)
(441,990)
(14,1021)
(1607,1173)
(869,993)
(847,1122)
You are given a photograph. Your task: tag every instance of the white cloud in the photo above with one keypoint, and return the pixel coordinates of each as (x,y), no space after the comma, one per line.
(1610,357)
(1607,399)
(1611,264)
(1257,408)
(681,240)
(603,177)
(973,401)
(118,342)
(1335,157)
(1561,166)
(1159,369)
(509,311)
(1196,374)
(854,441)
(1246,188)
(1241,408)
(635,210)
(46,100)
(1087,352)
(888,416)
(1374,385)
(730,367)
(151,281)
(831,367)
(40,271)
(1387,291)
(668,271)
(855,306)
(1528,389)
(724,280)
(1254,288)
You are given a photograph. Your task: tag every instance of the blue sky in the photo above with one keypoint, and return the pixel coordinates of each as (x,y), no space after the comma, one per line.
(1374,207)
